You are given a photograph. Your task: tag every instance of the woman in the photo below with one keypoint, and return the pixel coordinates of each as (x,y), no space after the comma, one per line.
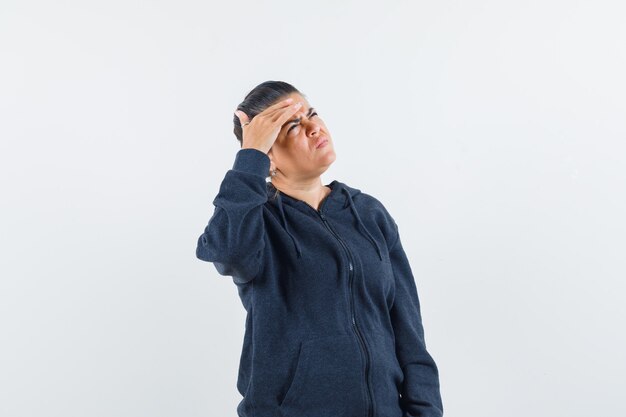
(333,325)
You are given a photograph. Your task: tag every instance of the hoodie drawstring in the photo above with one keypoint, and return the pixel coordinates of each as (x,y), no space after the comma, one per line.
(282,213)
(363,228)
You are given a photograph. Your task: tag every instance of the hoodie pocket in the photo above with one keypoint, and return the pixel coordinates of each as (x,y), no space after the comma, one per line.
(328,379)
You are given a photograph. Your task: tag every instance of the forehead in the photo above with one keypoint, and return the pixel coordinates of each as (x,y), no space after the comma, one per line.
(296,98)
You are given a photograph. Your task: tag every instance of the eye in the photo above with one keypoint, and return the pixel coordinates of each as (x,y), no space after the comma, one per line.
(297,127)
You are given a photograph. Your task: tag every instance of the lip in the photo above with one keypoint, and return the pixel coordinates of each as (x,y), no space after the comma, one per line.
(321,142)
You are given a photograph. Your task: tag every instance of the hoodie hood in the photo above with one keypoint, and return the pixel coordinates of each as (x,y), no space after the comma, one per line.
(340,197)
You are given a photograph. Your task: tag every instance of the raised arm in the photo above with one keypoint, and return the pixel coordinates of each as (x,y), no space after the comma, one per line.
(234,238)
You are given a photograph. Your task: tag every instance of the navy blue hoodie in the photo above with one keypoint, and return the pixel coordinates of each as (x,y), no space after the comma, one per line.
(333,325)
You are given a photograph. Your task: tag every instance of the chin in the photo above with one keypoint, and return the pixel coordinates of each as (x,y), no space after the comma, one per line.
(331,157)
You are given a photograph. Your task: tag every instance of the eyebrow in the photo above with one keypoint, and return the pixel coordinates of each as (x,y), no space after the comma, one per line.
(295,122)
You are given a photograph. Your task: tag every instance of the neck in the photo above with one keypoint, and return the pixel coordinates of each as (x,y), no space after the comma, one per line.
(311,192)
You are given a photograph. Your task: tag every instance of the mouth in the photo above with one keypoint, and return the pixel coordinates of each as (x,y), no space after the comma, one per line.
(321,142)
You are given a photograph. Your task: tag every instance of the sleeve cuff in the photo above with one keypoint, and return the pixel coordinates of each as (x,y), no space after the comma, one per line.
(252,161)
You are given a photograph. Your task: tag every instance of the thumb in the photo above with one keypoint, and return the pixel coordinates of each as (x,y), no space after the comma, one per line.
(243,118)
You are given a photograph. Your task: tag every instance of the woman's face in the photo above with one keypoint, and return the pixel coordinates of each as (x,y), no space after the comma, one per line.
(294,152)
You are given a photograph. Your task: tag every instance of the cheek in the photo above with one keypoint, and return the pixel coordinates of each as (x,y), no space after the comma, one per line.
(300,149)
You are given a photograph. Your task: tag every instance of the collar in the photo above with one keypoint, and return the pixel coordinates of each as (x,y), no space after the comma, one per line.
(340,196)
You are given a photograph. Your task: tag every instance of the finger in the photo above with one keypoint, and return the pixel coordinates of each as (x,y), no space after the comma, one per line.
(281,103)
(243,118)
(271,110)
(287,113)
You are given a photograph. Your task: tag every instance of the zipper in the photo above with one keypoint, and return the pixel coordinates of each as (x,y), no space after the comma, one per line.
(355,327)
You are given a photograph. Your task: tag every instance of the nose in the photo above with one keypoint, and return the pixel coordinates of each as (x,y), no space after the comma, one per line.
(312,128)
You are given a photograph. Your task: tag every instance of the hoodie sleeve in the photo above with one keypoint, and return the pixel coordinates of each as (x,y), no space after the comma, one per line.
(234,238)
(420,390)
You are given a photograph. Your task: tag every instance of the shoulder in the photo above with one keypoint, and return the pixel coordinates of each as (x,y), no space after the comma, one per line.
(373,208)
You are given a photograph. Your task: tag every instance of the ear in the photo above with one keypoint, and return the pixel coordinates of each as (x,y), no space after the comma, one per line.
(272,164)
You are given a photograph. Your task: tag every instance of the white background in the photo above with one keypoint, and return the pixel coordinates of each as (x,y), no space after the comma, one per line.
(493,131)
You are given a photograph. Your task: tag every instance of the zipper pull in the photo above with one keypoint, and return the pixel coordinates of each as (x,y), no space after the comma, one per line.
(350,263)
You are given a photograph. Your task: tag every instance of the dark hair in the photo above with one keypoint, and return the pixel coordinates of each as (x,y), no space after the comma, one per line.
(260,98)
